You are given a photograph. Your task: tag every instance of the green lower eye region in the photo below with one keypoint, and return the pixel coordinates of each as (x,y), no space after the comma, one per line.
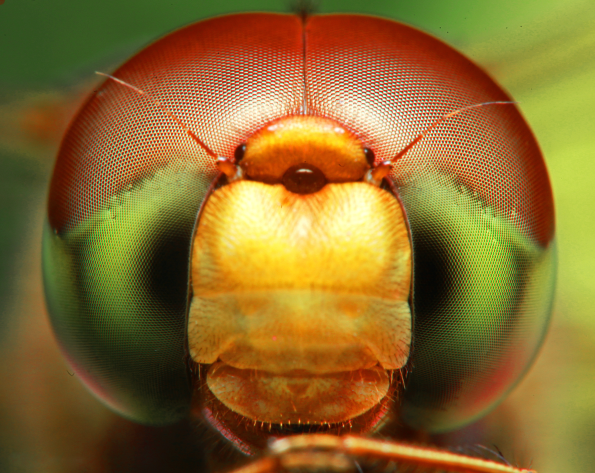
(117,290)
(481,299)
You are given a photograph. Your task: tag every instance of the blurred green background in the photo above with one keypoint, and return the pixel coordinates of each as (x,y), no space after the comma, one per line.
(542,51)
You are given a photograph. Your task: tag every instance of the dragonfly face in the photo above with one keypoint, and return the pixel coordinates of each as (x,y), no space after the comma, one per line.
(305,284)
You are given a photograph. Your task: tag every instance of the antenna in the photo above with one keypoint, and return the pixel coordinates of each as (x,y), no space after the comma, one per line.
(381,170)
(404,151)
(192,135)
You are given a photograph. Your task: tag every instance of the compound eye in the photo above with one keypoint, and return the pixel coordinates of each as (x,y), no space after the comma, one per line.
(303,179)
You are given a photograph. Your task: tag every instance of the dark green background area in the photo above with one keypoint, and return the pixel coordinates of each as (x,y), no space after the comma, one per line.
(43,41)
(540,50)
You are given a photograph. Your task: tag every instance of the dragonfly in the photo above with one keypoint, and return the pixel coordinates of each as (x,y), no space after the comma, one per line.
(274,449)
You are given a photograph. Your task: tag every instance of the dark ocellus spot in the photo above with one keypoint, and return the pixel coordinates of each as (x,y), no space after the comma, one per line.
(239,152)
(370,156)
(303,179)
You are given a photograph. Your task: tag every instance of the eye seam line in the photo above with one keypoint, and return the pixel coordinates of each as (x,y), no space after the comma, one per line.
(304,18)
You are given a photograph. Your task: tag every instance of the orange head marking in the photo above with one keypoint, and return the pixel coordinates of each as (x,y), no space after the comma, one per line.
(304,152)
